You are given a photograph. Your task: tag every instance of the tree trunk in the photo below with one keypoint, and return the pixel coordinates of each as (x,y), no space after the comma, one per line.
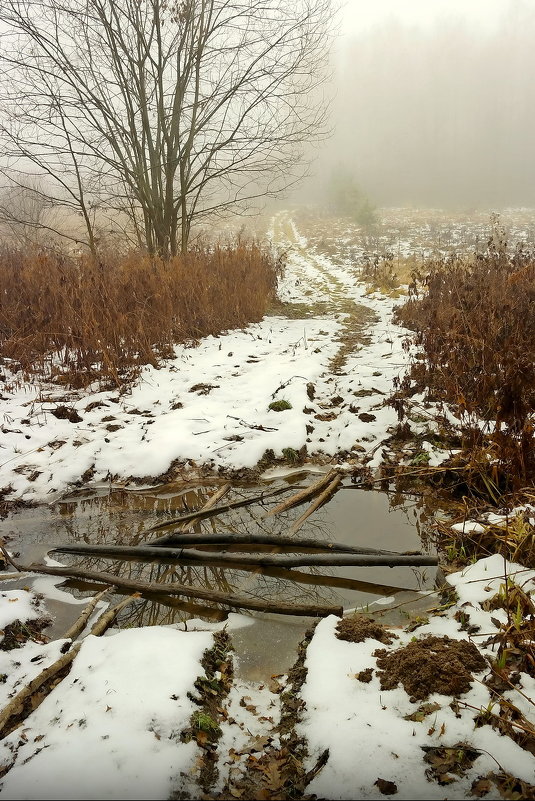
(279,559)
(214,596)
(297,544)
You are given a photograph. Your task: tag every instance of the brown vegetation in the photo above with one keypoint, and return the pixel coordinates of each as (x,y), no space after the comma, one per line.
(513,537)
(80,319)
(475,327)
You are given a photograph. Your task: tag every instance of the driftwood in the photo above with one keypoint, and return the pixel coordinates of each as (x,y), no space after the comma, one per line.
(15,706)
(174,588)
(303,495)
(257,539)
(320,500)
(234,557)
(216,510)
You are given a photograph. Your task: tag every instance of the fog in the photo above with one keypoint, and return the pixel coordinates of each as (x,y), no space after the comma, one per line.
(434,104)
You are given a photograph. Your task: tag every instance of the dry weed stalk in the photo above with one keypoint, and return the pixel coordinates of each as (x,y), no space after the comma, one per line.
(474,325)
(77,320)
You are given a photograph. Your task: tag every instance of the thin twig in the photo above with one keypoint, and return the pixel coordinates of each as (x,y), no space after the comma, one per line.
(7,557)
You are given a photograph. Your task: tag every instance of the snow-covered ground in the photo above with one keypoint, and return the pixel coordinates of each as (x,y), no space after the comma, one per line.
(209,406)
(368,730)
(112,727)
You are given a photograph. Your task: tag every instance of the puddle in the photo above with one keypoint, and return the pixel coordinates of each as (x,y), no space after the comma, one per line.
(116,516)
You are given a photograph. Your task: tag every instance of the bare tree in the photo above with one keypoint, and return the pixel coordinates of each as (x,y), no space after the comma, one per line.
(161,112)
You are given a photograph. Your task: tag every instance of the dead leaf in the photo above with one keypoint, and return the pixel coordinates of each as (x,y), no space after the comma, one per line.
(445,778)
(386,787)
(258,744)
(481,787)
(273,775)
(274,686)
(234,756)
(201,737)
(422,712)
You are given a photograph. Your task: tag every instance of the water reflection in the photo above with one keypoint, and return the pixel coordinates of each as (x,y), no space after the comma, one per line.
(118,516)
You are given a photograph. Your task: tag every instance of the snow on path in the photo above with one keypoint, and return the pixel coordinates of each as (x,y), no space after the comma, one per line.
(366,728)
(112,728)
(209,406)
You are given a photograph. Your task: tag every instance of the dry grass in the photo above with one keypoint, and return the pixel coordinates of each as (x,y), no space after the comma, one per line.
(513,538)
(76,320)
(475,328)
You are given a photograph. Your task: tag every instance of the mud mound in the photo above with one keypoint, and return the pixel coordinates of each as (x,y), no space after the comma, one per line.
(358,628)
(431,665)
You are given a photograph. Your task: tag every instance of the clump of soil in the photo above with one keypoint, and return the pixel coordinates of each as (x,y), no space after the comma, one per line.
(431,665)
(358,628)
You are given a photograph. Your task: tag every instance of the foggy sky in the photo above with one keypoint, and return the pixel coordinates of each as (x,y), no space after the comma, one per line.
(436,108)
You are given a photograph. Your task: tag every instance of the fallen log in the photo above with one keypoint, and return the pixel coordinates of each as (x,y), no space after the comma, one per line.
(15,706)
(320,500)
(174,588)
(303,495)
(257,539)
(288,574)
(216,510)
(234,557)
(170,601)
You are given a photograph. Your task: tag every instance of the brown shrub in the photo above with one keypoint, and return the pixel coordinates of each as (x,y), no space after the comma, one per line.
(474,324)
(81,319)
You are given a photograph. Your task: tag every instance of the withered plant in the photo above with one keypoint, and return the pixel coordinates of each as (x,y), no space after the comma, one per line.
(474,323)
(77,320)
